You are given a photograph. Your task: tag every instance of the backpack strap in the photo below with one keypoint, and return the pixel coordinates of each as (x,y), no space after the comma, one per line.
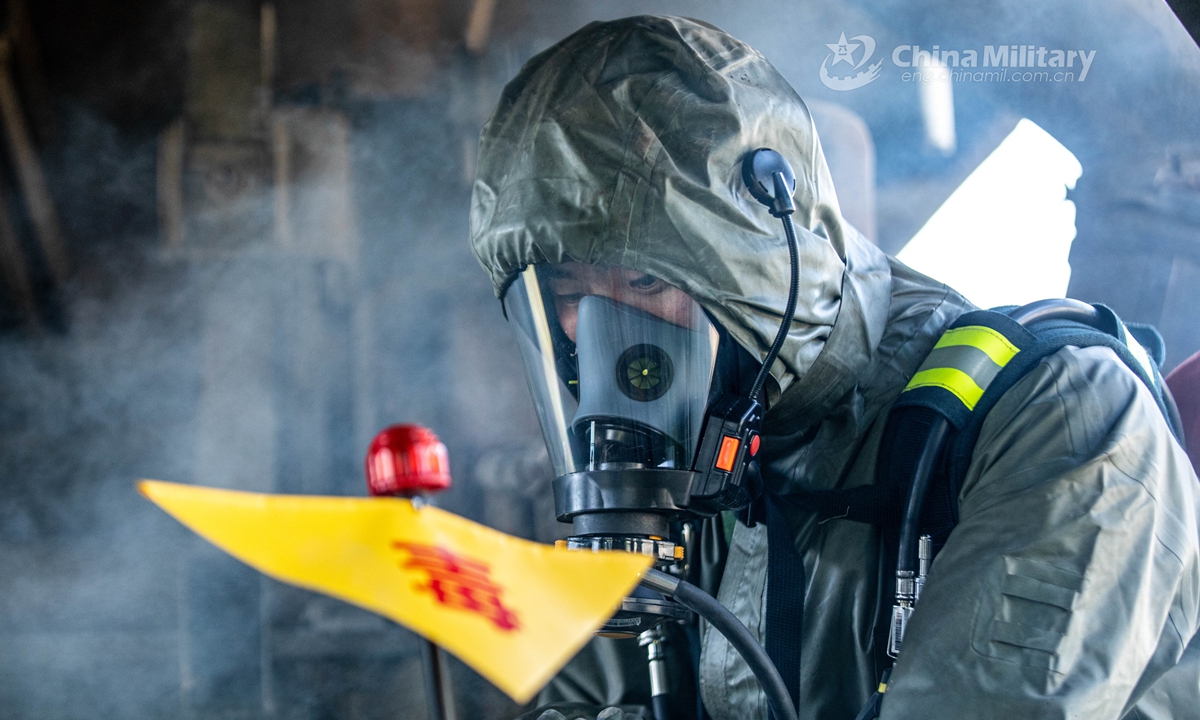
(1035,344)
(964,363)
(972,365)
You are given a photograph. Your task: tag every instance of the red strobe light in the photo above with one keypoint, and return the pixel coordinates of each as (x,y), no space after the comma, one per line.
(407,460)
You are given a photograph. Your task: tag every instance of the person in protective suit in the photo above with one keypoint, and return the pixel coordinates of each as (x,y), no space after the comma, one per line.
(1071,584)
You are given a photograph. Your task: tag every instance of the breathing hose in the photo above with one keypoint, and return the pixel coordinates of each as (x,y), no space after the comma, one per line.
(726,623)
(660,707)
(906,562)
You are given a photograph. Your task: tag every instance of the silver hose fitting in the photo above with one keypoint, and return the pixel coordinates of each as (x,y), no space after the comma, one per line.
(908,591)
(652,640)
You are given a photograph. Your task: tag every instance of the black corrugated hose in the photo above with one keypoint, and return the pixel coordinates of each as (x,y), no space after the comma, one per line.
(726,623)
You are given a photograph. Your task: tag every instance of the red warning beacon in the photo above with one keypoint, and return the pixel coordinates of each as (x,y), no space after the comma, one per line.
(410,461)
(407,460)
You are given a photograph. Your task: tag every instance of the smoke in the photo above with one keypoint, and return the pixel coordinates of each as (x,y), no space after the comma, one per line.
(236,361)
(256,358)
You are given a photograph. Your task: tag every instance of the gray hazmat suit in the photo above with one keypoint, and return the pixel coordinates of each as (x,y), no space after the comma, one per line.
(1070,587)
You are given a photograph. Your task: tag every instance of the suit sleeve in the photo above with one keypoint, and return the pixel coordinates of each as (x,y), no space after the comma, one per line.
(1070,585)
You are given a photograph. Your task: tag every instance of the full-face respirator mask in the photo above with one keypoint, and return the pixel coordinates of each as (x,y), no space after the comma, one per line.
(649,410)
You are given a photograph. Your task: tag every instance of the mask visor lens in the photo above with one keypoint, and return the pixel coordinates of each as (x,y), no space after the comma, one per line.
(620,369)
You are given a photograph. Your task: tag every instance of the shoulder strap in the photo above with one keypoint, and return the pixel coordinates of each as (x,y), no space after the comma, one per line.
(980,356)
(964,363)
(975,361)
(965,384)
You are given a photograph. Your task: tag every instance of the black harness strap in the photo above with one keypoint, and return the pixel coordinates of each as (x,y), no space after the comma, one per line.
(785,598)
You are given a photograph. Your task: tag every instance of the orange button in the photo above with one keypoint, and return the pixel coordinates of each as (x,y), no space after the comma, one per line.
(754,443)
(727,454)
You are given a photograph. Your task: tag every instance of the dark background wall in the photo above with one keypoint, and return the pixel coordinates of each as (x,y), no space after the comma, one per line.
(260,213)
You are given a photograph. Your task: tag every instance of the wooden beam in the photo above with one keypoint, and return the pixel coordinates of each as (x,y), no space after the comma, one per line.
(268,42)
(29,66)
(169,177)
(13,266)
(29,171)
(281,156)
(479,25)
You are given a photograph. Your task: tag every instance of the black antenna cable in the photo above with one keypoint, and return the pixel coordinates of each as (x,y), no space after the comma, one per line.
(771,181)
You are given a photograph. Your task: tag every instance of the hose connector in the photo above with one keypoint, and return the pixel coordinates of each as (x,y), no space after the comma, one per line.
(924,559)
(660,582)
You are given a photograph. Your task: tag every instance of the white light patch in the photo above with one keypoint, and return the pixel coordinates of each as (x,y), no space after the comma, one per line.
(937,109)
(1004,236)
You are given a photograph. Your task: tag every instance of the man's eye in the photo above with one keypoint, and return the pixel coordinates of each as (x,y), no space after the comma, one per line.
(645,282)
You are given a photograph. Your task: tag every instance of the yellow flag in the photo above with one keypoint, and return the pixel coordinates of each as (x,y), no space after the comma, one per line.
(514,610)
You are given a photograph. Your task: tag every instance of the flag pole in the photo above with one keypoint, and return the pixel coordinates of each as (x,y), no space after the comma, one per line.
(436,682)
(410,461)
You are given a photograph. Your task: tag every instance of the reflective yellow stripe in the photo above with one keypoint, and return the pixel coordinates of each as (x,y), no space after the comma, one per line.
(882,688)
(952,379)
(991,342)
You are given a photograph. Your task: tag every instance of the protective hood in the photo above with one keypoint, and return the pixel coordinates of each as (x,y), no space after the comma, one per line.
(622,145)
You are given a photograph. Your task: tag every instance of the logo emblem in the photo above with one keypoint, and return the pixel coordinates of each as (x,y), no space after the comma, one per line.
(843,51)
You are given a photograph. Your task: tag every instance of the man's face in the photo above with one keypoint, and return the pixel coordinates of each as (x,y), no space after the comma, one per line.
(570,282)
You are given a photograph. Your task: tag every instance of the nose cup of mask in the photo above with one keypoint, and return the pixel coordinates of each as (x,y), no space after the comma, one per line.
(643,386)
